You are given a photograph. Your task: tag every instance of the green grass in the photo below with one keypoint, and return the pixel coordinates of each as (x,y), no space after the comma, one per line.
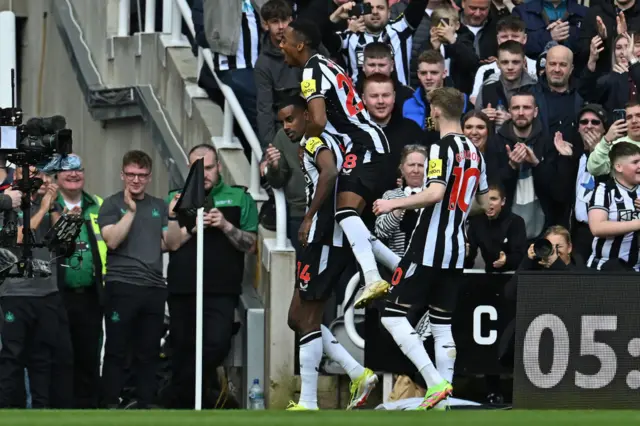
(323,418)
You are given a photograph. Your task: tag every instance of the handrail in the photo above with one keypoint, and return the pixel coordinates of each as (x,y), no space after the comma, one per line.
(179,10)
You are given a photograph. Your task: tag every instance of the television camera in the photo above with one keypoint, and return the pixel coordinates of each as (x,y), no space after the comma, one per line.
(39,144)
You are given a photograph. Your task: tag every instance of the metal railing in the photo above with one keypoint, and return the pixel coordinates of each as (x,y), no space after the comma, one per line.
(173,14)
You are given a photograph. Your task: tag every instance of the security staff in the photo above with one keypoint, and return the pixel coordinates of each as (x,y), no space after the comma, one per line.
(35,333)
(230,227)
(80,281)
(135,228)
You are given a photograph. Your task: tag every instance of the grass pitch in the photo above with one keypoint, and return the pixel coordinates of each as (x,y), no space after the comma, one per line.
(323,418)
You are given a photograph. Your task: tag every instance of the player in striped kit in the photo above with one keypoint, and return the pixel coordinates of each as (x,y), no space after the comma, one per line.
(322,261)
(613,218)
(432,268)
(335,107)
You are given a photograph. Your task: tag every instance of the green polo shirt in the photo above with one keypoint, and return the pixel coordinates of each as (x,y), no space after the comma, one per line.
(225,196)
(81,274)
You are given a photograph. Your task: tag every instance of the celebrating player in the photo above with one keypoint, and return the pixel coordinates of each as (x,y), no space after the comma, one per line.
(432,267)
(322,261)
(335,106)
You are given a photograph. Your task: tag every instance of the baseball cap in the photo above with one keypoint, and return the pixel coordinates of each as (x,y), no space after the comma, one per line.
(598,110)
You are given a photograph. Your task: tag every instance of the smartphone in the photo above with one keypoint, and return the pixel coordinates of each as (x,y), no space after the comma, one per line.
(360,9)
(619,114)
(443,22)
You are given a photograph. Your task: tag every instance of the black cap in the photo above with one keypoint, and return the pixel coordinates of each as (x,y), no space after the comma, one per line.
(598,110)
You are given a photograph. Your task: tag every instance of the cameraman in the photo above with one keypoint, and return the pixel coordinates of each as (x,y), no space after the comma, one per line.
(553,251)
(35,334)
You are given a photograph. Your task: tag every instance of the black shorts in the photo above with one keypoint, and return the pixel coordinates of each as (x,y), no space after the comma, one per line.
(362,173)
(414,284)
(319,268)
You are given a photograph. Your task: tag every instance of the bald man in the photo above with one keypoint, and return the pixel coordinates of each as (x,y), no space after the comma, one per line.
(557,101)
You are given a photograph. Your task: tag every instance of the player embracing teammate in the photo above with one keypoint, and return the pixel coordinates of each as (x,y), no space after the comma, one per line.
(339,135)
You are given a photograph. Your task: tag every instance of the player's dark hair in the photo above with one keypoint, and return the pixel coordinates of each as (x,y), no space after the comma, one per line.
(294,100)
(480,116)
(512,47)
(307,32)
(378,78)
(621,150)
(449,100)
(511,23)
(378,50)
(139,158)
(276,9)
(433,57)
(204,147)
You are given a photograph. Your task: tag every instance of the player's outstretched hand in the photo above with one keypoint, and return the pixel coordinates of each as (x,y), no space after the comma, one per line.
(383,206)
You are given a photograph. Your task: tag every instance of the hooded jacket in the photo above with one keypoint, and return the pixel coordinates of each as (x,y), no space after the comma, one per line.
(272,75)
(551,193)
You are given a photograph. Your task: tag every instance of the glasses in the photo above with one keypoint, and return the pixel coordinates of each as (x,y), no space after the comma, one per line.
(586,121)
(133,176)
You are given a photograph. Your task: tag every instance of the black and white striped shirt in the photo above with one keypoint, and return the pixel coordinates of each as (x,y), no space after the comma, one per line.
(585,185)
(617,200)
(324,229)
(248,46)
(438,240)
(346,114)
(394,230)
(398,34)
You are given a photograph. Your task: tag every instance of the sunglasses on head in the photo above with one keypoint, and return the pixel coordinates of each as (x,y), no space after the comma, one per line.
(586,121)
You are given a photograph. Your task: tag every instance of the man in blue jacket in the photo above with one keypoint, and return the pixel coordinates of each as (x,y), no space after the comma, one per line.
(551,20)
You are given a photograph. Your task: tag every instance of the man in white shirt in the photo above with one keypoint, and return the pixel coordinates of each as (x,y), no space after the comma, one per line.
(508,28)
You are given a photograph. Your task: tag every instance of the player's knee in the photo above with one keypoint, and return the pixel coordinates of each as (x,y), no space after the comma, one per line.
(344,213)
(438,317)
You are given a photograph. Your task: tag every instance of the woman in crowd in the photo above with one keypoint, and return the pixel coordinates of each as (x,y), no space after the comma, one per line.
(477,126)
(395,228)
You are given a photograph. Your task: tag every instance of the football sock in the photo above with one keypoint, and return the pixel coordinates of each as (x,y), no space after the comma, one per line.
(339,354)
(384,255)
(411,345)
(359,238)
(310,357)
(444,345)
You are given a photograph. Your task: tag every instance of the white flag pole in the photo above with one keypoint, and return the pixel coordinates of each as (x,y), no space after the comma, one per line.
(199,322)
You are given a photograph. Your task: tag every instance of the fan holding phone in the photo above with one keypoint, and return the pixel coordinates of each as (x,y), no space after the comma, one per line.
(370,21)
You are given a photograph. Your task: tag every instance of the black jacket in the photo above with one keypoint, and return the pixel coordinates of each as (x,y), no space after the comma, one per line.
(551,193)
(546,110)
(610,90)
(607,11)
(464,61)
(400,131)
(505,233)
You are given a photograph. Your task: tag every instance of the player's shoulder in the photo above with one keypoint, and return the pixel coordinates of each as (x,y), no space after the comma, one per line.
(313,144)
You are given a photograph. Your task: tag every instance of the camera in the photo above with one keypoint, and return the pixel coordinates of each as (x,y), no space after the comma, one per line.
(542,249)
(34,142)
(360,9)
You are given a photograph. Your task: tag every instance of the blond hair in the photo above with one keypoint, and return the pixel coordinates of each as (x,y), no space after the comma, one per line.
(449,100)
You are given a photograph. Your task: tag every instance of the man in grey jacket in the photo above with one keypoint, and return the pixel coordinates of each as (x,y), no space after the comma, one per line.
(272,74)
(283,162)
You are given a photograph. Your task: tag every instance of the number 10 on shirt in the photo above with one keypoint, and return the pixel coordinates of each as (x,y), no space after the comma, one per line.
(461,186)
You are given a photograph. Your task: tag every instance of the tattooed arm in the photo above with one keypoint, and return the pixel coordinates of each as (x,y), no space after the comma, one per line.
(241,240)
